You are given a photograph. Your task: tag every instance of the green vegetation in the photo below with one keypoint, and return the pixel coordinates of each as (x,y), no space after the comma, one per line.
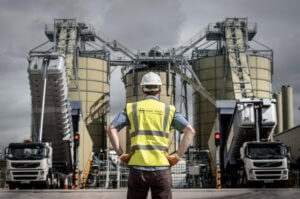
(2,173)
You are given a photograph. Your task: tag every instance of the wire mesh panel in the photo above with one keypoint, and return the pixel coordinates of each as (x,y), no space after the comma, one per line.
(199,171)
(124,174)
(178,173)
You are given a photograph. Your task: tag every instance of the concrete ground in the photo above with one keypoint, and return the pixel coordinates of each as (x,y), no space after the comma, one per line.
(177,193)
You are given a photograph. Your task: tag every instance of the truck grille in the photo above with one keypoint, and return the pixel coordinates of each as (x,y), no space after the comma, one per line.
(25,165)
(267,164)
(268,172)
(26,178)
(268,177)
(25,173)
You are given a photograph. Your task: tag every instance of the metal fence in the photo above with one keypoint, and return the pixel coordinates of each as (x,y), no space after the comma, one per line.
(179,175)
(124,174)
(107,172)
(191,172)
(111,173)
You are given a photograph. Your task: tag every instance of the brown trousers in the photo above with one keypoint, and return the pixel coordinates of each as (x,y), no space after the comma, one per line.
(140,181)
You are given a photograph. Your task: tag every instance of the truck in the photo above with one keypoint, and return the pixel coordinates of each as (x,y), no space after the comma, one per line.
(51,156)
(242,147)
(29,165)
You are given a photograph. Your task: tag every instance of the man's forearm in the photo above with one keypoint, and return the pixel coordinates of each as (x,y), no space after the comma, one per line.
(114,139)
(187,139)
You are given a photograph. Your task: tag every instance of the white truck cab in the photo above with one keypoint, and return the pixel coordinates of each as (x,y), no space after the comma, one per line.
(28,164)
(265,161)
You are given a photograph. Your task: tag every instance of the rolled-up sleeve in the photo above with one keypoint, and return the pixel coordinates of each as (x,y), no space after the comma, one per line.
(179,122)
(120,121)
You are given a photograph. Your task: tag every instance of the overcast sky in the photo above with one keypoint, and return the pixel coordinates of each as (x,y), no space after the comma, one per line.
(139,24)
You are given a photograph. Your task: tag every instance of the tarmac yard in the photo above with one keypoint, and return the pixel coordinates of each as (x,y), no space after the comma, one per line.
(177,193)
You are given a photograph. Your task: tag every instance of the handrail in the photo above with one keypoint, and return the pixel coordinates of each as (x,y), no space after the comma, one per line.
(86,171)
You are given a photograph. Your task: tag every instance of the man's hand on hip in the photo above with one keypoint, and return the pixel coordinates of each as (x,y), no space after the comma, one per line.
(173,159)
(125,157)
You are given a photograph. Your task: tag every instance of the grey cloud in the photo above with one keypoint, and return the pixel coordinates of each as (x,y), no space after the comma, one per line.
(139,24)
(144,24)
(117,93)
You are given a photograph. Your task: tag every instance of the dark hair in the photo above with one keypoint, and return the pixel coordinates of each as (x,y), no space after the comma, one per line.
(152,92)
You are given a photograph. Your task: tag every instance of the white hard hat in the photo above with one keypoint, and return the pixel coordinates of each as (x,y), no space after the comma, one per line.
(151,79)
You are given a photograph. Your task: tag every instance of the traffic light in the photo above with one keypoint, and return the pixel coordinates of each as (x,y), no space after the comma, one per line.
(217,138)
(76,139)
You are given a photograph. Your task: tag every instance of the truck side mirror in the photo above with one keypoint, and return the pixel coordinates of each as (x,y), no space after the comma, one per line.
(6,153)
(245,153)
(288,151)
(47,152)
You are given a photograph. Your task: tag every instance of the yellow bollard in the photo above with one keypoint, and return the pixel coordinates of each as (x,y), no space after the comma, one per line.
(76,179)
(219,178)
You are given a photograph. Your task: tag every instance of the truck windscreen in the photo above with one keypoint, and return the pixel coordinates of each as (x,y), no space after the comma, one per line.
(266,151)
(26,152)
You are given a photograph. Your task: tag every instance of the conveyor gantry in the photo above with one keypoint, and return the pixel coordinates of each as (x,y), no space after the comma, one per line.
(237,56)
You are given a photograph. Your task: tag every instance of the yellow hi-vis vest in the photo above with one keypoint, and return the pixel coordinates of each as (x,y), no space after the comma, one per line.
(150,123)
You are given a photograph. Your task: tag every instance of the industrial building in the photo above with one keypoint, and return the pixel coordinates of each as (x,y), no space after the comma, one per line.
(221,62)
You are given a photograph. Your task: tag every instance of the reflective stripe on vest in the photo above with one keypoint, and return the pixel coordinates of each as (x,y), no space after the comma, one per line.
(150,122)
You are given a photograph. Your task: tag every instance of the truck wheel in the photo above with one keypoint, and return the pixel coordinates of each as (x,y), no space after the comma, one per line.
(51,182)
(12,185)
(48,182)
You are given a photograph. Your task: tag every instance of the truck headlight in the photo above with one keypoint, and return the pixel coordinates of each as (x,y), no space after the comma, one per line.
(42,172)
(285,173)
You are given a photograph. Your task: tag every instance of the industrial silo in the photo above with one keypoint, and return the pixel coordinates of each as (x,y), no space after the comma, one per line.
(214,74)
(90,86)
(134,93)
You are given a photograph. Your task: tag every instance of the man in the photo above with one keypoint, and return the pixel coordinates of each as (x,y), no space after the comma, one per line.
(149,124)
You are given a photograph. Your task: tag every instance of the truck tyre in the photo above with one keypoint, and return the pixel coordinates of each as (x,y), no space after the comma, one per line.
(51,182)
(12,185)
(47,184)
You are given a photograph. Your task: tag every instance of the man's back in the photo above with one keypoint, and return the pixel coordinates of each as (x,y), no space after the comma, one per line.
(150,122)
